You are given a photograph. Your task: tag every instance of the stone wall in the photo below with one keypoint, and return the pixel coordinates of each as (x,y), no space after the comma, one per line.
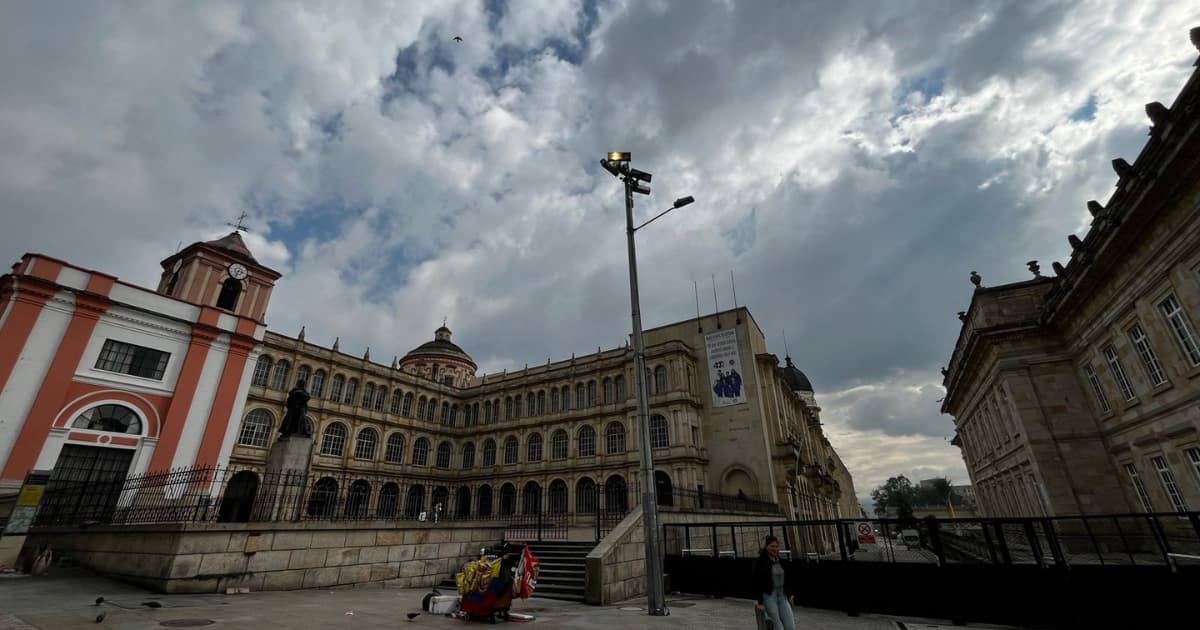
(616,568)
(177,558)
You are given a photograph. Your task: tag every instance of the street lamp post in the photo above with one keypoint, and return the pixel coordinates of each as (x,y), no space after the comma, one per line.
(635,181)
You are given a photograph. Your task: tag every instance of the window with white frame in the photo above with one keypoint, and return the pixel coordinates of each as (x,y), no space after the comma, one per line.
(1005,428)
(619,385)
(397,396)
(541,402)
(262,371)
(660,379)
(489,453)
(407,410)
(317,387)
(1114,365)
(443,455)
(1097,388)
(430,410)
(566,398)
(1139,488)
(420,452)
(554,400)
(508,408)
(591,393)
(351,391)
(614,438)
(126,358)
(364,445)
(333,442)
(335,389)
(1193,455)
(608,391)
(280,377)
(659,436)
(256,429)
(394,454)
(1006,411)
(304,373)
(1154,370)
(368,395)
(580,396)
(1182,327)
(517,407)
(446,420)
(533,448)
(380,397)
(558,445)
(1168,481)
(468,456)
(586,439)
(421,402)
(531,405)
(511,450)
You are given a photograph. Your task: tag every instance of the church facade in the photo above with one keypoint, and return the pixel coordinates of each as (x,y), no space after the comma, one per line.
(428,430)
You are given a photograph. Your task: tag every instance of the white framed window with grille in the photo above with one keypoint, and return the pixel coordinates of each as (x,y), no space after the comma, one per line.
(468,456)
(489,453)
(1153,369)
(279,379)
(1118,372)
(1193,455)
(1168,481)
(333,442)
(608,391)
(126,358)
(558,445)
(317,387)
(335,388)
(1097,388)
(534,448)
(1182,327)
(256,429)
(396,398)
(614,438)
(304,373)
(394,453)
(512,449)
(554,401)
(659,435)
(364,445)
(262,370)
(420,455)
(586,439)
(1139,488)
(443,455)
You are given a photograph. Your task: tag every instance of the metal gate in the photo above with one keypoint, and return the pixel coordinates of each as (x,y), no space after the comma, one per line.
(99,471)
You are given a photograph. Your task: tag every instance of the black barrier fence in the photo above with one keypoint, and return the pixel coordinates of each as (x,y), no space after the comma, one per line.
(1080,571)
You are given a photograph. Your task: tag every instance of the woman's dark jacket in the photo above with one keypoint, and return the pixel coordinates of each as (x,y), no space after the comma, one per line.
(761,577)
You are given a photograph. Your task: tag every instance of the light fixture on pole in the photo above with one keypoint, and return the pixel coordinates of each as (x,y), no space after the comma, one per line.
(617,163)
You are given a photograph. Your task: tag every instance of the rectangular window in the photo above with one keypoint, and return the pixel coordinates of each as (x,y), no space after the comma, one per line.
(1182,327)
(1193,455)
(126,358)
(1154,371)
(1114,364)
(1168,481)
(1097,389)
(1139,488)
(1006,411)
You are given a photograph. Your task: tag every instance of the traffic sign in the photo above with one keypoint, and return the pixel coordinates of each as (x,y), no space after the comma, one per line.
(866,533)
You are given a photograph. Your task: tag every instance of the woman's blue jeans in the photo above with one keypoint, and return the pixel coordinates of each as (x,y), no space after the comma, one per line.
(779,610)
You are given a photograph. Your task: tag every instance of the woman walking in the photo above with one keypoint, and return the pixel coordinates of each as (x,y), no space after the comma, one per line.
(771,588)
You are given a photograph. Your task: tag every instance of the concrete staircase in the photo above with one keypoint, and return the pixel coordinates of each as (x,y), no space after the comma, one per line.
(562,571)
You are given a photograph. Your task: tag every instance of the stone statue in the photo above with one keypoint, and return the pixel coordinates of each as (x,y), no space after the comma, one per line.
(976,279)
(297,406)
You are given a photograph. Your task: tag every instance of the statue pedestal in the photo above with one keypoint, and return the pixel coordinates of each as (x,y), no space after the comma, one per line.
(287,477)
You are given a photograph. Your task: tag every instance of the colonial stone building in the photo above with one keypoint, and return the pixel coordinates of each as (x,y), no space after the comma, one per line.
(1077,393)
(427,429)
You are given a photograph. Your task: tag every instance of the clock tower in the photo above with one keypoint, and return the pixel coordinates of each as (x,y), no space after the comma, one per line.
(222,274)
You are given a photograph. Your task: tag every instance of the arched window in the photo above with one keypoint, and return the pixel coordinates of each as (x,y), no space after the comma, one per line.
(407,411)
(388,502)
(380,395)
(586,496)
(659,436)
(508,408)
(608,391)
(368,395)
(335,388)
(614,438)
(468,456)
(566,398)
(517,408)
(317,387)
(534,448)
(446,414)
(231,290)
(462,502)
(453,415)
(421,403)
(558,497)
(591,393)
(616,495)
(364,445)
(279,380)
(485,502)
(531,498)
(351,391)
(304,373)
(394,453)
(558,444)
(439,499)
(554,400)
(110,418)
(333,442)
(397,396)
(415,502)
(430,409)
(496,410)
(256,429)
(511,448)
(358,498)
(420,452)
(489,453)
(508,499)
(322,503)
(541,403)
(475,413)
(663,488)
(580,396)
(443,455)
(619,385)
(586,446)
(531,405)
(487,411)
(660,380)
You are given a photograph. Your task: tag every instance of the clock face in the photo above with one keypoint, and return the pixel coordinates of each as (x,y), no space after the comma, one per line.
(238,272)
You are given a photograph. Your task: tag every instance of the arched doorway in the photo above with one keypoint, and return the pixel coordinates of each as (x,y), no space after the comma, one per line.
(462,503)
(357,499)
(389,501)
(323,502)
(586,496)
(531,500)
(438,502)
(415,503)
(508,500)
(485,502)
(238,501)
(558,497)
(616,495)
(663,489)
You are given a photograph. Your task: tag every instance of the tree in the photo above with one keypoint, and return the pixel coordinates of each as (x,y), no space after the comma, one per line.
(896,493)
(933,492)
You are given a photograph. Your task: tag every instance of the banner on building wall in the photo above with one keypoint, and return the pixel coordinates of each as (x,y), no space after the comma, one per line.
(724,368)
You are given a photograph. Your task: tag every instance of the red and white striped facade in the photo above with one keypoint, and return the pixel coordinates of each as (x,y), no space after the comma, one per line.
(55,318)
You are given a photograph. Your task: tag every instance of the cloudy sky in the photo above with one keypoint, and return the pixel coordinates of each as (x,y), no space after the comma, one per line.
(851,161)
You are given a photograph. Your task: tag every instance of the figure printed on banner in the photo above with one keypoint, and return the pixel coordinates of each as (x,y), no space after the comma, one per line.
(724,365)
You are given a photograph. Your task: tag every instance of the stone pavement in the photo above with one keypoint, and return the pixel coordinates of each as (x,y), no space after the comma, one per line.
(66,600)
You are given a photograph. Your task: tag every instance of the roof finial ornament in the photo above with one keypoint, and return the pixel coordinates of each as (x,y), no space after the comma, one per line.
(1095,208)
(945,372)
(976,279)
(1157,112)
(367,354)
(301,335)
(443,321)
(1034,268)
(1074,241)
(1123,169)
(395,361)
(1194,34)
(337,343)
(1058,268)
(962,316)
(239,226)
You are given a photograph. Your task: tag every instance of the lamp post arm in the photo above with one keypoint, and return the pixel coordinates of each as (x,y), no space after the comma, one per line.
(654,219)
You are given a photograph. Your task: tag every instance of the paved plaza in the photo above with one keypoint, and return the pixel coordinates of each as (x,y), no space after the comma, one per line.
(66,600)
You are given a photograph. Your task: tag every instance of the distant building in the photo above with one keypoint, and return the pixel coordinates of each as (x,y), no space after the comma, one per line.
(1076,393)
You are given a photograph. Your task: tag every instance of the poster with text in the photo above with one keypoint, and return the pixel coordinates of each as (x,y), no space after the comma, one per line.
(724,368)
